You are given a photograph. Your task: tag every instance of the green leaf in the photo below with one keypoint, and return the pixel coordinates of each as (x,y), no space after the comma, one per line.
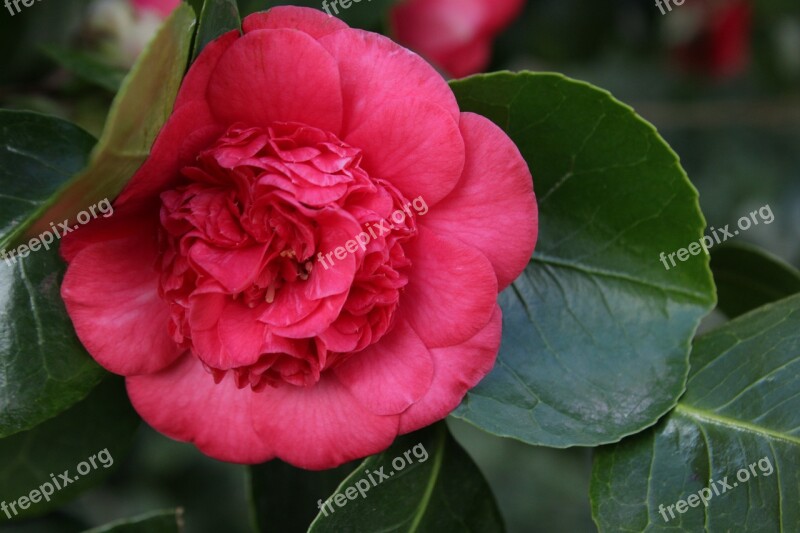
(596,332)
(157,522)
(741,408)
(38,154)
(423,482)
(85,443)
(748,277)
(217,17)
(44,369)
(284,498)
(131,127)
(197,5)
(87,67)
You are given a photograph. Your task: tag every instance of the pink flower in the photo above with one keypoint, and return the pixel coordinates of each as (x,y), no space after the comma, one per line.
(162,7)
(206,288)
(455,35)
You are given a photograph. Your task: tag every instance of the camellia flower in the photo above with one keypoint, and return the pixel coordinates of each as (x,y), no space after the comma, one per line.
(214,288)
(455,35)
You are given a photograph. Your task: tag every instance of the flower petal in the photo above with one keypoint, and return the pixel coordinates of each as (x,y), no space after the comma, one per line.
(190,129)
(111,294)
(277,76)
(493,207)
(374,69)
(320,427)
(108,228)
(413,144)
(447,306)
(236,340)
(195,84)
(311,21)
(391,375)
(235,270)
(456,370)
(184,403)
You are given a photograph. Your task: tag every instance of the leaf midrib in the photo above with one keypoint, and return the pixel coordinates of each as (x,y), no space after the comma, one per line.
(541,257)
(426,497)
(739,425)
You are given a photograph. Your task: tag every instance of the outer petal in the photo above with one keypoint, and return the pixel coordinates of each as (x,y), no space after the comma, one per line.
(414,145)
(195,84)
(184,403)
(456,370)
(320,427)
(311,21)
(102,229)
(111,294)
(452,290)
(375,69)
(391,375)
(493,207)
(277,76)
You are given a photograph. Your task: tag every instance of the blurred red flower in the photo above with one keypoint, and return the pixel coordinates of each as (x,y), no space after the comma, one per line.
(718,41)
(455,35)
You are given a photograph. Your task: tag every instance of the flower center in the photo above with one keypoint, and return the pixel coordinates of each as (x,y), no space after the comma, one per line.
(270,260)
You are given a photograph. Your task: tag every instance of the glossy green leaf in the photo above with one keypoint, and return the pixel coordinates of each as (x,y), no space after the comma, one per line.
(157,522)
(284,498)
(197,5)
(83,444)
(216,18)
(748,277)
(131,127)
(44,369)
(596,330)
(424,482)
(38,154)
(741,408)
